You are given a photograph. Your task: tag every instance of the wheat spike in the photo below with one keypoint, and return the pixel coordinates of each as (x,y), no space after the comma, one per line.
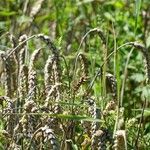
(36,8)
(23,83)
(57,77)
(32,85)
(56,69)
(14,43)
(23,50)
(27,123)
(11,118)
(95,113)
(48,137)
(84,72)
(48,73)
(84,64)
(8,79)
(32,81)
(34,57)
(146,56)
(100,139)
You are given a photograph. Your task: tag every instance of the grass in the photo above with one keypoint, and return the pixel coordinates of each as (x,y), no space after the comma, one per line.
(74,75)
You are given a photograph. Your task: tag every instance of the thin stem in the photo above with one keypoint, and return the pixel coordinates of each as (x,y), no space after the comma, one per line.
(140,124)
(125,76)
(21,43)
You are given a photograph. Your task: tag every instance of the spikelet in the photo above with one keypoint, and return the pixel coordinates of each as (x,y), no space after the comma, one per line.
(57,79)
(56,69)
(102,36)
(120,140)
(33,58)
(95,113)
(86,125)
(27,123)
(32,83)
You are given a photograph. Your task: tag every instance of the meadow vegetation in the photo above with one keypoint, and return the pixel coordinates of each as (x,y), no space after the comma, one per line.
(74,74)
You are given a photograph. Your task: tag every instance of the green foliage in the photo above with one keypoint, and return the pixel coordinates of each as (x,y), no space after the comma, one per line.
(76,26)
